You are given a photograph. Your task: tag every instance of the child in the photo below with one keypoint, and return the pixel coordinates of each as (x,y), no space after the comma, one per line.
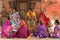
(41,31)
(56,33)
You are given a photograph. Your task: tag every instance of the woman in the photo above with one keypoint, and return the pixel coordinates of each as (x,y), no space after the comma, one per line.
(31,19)
(41,31)
(15,20)
(44,18)
(6,29)
(56,33)
(22,32)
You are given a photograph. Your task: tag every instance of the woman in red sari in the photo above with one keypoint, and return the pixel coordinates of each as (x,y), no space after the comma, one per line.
(44,18)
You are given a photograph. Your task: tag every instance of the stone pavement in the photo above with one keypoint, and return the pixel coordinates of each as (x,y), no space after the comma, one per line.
(30,39)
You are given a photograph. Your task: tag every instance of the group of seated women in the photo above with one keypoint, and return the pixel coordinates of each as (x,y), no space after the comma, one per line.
(22,31)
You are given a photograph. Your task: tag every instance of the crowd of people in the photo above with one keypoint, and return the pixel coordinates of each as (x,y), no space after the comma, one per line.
(14,27)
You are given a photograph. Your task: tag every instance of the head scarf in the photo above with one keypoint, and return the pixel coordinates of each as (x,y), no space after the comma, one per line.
(15,15)
(7,22)
(42,15)
(22,22)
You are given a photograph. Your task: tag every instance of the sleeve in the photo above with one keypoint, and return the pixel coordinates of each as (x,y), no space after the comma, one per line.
(28,32)
(56,28)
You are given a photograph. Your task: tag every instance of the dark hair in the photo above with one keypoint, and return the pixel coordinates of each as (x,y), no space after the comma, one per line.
(30,9)
(57,21)
(41,22)
(8,18)
(15,9)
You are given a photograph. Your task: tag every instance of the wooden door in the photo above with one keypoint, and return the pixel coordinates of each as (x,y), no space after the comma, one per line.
(22,8)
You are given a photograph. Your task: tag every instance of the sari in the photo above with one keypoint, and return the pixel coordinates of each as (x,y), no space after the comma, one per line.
(6,29)
(15,24)
(15,20)
(22,32)
(40,32)
(44,18)
(31,21)
(57,33)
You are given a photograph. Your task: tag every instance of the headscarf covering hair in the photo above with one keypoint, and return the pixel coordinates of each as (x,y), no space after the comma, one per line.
(16,15)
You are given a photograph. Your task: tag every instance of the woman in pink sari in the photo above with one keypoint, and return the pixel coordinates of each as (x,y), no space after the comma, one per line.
(22,31)
(6,29)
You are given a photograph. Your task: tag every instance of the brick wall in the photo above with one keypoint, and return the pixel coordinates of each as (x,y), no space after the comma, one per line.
(52,7)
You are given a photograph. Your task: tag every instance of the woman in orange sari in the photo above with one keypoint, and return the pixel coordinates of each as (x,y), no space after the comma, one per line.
(31,19)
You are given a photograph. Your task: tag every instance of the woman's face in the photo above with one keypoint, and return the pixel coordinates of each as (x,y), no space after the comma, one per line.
(14,10)
(55,23)
(22,23)
(30,11)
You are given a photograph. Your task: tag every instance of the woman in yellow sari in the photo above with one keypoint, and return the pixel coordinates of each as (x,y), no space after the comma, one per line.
(31,20)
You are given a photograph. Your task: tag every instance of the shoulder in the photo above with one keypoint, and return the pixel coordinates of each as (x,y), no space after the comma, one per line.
(44,25)
(56,27)
(27,13)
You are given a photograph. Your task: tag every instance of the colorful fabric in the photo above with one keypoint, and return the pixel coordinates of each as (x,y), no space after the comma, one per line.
(15,25)
(6,29)
(57,33)
(15,20)
(31,20)
(15,16)
(44,18)
(41,32)
(22,32)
